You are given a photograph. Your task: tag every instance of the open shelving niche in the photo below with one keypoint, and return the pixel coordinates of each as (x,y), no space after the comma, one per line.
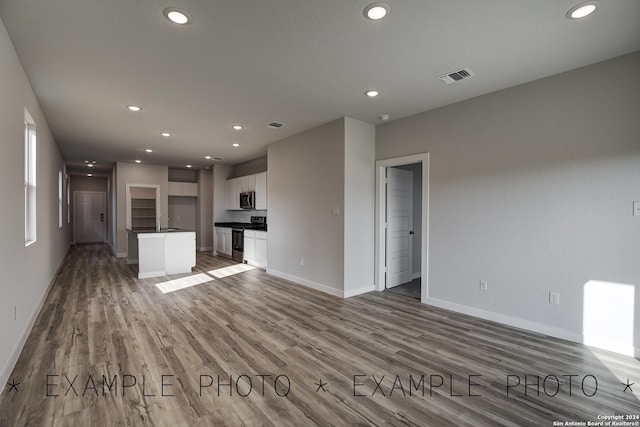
(142,210)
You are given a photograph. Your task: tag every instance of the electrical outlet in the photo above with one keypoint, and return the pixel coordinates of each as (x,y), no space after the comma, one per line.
(483,285)
(636,208)
(554,298)
(301,261)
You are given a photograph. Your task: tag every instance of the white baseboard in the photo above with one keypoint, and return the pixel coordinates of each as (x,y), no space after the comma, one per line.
(122,255)
(308,283)
(15,353)
(359,291)
(205,248)
(149,274)
(415,276)
(516,322)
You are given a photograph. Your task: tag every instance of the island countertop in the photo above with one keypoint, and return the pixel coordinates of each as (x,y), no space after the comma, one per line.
(162,230)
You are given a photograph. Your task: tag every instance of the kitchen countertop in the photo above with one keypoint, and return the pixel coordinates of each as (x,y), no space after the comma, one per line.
(243,225)
(162,230)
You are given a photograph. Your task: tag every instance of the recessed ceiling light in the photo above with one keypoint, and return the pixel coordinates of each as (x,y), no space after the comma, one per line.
(176,16)
(138,161)
(376,11)
(207,157)
(89,174)
(582,10)
(237,127)
(372,93)
(148,150)
(165,134)
(90,165)
(188,166)
(217,159)
(134,108)
(235,144)
(384,117)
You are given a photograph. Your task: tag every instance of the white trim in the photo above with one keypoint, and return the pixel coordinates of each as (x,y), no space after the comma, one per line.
(504,319)
(128,200)
(205,248)
(359,291)
(417,275)
(308,283)
(381,166)
(121,254)
(17,350)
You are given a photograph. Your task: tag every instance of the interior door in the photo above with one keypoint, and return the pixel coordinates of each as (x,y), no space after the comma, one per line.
(89,216)
(399,250)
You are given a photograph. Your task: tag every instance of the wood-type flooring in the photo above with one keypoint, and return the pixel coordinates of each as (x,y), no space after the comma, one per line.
(245,348)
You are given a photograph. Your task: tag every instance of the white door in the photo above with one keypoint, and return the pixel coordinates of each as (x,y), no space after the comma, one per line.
(89,216)
(399,226)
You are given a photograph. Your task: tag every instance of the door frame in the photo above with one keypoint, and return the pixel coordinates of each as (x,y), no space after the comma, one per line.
(380,235)
(75,206)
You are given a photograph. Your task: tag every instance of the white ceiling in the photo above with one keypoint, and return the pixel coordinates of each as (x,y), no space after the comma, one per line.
(300,62)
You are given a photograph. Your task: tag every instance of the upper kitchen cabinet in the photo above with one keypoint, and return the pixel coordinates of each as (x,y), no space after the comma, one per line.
(235,186)
(182,182)
(184,189)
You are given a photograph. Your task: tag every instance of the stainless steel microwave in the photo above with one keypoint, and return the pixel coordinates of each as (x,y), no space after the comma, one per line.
(247,200)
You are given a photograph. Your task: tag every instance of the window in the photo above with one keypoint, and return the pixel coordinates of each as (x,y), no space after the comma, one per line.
(60,187)
(29,180)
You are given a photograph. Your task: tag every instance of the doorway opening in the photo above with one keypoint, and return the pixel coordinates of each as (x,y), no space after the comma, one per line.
(402,213)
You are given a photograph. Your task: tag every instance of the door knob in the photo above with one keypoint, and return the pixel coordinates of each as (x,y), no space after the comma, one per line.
(411,232)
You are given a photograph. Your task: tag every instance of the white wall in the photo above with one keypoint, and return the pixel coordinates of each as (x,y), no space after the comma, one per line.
(359,206)
(531,189)
(306,180)
(26,271)
(133,173)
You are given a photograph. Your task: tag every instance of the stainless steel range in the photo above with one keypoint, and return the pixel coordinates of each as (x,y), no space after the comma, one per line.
(237,235)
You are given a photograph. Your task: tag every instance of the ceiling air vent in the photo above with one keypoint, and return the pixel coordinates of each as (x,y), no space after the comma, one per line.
(456,76)
(275,125)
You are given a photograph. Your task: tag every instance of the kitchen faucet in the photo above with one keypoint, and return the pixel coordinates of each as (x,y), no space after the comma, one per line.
(159,217)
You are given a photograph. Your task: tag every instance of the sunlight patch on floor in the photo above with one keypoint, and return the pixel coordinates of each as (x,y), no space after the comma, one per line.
(230,270)
(183,283)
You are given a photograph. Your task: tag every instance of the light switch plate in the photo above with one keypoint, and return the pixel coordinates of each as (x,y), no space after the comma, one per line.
(636,208)
(336,210)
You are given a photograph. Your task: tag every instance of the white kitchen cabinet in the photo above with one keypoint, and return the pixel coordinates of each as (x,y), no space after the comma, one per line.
(232,198)
(255,248)
(184,189)
(223,241)
(261,191)
(261,250)
(248,183)
(235,186)
(249,246)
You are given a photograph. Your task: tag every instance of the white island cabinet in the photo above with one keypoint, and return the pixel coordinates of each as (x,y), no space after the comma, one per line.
(162,253)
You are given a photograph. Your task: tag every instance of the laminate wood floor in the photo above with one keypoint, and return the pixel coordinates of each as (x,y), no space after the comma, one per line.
(244,348)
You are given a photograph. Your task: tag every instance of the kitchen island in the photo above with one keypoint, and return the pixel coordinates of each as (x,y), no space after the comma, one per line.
(160,253)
